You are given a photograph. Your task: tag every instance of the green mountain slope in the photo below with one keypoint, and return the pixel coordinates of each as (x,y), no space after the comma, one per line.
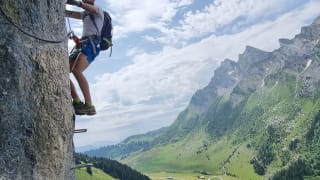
(105,169)
(257,118)
(95,174)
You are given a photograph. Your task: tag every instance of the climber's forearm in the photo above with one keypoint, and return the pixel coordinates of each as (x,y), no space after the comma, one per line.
(73,14)
(90,8)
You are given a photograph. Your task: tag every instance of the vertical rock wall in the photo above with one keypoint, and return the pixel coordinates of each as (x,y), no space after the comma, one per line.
(36,125)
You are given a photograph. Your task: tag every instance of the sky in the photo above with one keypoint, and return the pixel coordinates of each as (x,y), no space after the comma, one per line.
(165,50)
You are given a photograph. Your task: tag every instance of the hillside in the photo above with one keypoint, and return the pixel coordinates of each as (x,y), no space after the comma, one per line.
(258,118)
(105,169)
(92,174)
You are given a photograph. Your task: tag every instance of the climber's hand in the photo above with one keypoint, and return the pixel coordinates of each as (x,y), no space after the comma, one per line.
(74,2)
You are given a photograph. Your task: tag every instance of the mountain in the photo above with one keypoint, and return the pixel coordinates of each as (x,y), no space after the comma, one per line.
(258,118)
(84,148)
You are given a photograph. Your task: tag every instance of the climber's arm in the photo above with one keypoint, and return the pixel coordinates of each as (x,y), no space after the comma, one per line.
(73,14)
(85,6)
(90,8)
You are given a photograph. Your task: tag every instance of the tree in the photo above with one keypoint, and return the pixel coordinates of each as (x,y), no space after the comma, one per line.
(89,170)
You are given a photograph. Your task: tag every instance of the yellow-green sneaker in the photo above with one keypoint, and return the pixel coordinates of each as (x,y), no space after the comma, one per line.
(88,110)
(84,109)
(78,108)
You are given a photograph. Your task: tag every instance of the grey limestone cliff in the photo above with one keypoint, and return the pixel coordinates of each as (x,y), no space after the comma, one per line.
(36,125)
(256,68)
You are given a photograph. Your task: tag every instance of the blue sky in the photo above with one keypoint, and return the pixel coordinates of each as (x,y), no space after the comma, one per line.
(164,50)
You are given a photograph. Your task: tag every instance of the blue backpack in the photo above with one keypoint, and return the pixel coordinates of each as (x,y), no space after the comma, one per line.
(106,31)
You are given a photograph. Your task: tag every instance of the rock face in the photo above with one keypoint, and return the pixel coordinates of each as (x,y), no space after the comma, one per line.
(226,77)
(297,57)
(36,124)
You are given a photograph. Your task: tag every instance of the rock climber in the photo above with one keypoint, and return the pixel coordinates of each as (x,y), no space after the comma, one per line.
(89,51)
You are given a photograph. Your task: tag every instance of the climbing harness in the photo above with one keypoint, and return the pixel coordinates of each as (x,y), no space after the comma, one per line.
(76,49)
(26,32)
(72,36)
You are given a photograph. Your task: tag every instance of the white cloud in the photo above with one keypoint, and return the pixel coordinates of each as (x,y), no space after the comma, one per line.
(134,51)
(139,15)
(221,14)
(151,91)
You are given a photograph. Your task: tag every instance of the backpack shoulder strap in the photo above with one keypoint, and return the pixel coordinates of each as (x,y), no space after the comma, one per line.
(94,22)
(85,14)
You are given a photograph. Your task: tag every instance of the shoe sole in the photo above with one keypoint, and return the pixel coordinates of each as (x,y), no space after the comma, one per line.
(85,113)
(79,113)
(91,114)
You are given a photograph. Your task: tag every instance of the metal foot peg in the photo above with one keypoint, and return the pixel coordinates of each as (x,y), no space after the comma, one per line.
(80,130)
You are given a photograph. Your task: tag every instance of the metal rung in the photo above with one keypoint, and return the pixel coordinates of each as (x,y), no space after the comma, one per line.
(82,165)
(80,130)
